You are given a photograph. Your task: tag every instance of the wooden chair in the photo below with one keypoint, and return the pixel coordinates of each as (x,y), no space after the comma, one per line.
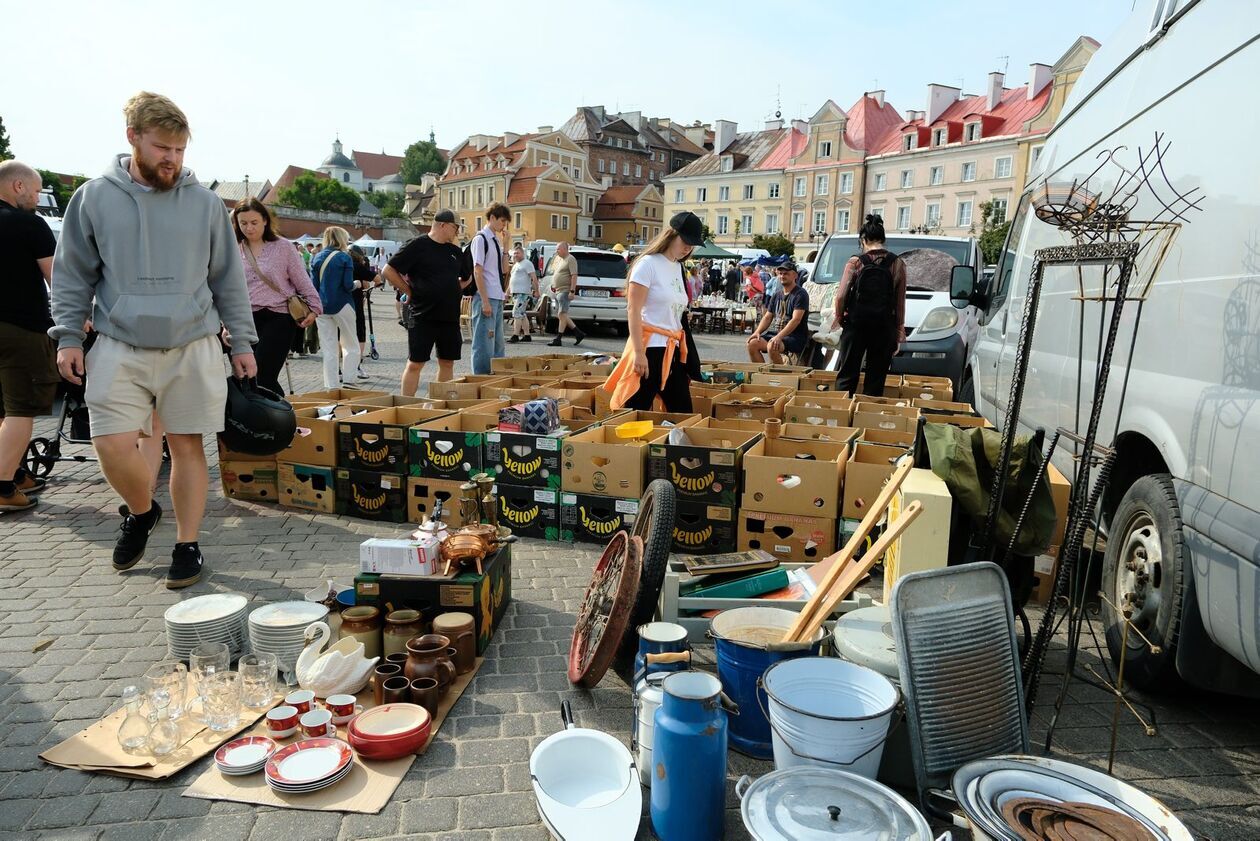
(465,316)
(538,315)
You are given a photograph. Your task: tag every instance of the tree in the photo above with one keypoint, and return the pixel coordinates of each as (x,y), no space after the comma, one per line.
(389,204)
(739,228)
(60,190)
(421,157)
(311,193)
(992,234)
(706,233)
(5,154)
(776,244)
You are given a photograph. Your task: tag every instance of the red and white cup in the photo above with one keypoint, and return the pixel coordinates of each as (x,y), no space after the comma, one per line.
(282,721)
(342,707)
(302,700)
(317,723)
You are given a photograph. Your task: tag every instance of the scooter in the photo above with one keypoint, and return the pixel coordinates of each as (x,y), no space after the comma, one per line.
(367,305)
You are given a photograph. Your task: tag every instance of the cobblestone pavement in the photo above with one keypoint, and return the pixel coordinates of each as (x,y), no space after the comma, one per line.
(106,629)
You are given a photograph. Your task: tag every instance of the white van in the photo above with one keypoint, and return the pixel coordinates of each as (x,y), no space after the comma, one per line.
(1183,504)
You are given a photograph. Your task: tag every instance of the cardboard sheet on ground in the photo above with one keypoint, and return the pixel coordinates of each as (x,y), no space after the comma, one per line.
(367,788)
(96,748)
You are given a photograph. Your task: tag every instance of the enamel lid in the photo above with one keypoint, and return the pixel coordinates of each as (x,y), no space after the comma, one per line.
(823,804)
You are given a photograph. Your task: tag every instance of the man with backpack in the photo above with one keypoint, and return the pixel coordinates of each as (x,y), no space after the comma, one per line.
(871,309)
(489,268)
(427,270)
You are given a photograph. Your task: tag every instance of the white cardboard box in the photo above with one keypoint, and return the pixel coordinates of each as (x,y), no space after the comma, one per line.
(399,557)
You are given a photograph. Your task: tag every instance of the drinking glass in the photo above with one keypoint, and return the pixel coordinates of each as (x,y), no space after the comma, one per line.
(222,700)
(171,677)
(258,679)
(206,659)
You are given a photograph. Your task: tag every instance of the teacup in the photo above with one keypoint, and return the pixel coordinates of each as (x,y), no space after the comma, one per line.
(317,723)
(342,707)
(282,721)
(302,700)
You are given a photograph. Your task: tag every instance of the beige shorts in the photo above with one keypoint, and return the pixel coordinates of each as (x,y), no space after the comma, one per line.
(187,386)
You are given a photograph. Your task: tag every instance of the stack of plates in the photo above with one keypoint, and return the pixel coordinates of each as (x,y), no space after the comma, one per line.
(279,629)
(246,755)
(218,617)
(309,765)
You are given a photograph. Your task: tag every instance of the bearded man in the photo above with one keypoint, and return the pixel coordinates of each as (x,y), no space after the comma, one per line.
(149,254)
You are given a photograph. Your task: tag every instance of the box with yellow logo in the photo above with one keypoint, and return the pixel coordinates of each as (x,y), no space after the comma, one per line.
(595,519)
(518,458)
(530,512)
(708,468)
(378,440)
(701,529)
(370,495)
(450,447)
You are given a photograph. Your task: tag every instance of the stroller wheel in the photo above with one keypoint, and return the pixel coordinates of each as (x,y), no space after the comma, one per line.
(41,455)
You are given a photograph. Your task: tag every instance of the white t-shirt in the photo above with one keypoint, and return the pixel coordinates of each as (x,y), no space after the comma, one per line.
(666,299)
(520,282)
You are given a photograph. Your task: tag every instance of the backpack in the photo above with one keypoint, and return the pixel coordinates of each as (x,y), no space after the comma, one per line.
(466,262)
(870,299)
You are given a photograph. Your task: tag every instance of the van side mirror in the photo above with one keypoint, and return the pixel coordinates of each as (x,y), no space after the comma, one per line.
(962,286)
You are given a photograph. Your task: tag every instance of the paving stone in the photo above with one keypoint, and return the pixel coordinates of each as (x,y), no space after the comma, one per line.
(458,782)
(15,814)
(227,828)
(387,823)
(495,810)
(283,824)
(430,815)
(120,806)
(63,811)
(146,831)
(173,805)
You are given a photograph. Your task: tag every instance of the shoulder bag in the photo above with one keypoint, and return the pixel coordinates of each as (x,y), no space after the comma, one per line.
(299,310)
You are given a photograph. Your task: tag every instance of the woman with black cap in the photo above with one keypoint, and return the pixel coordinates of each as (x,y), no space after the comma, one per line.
(654,363)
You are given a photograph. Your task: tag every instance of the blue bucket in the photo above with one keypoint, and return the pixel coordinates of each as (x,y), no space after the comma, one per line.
(659,638)
(743,637)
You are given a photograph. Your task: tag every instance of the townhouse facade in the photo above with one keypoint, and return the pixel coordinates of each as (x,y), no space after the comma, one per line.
(630,214)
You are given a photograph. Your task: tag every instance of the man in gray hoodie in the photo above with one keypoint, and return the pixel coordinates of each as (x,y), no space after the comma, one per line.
(149,255)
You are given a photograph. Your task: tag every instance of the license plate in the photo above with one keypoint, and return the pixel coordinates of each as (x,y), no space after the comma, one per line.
(594,293)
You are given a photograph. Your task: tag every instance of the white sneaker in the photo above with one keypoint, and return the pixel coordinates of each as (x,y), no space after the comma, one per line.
(363,376)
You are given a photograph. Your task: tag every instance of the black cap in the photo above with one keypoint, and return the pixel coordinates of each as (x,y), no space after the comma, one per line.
(689,227)
(786,266)
(446,216)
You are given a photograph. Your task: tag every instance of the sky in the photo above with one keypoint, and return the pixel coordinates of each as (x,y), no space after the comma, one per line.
(269,84)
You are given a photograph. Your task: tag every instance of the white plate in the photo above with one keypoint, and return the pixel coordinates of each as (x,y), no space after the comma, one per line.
(202,609)
(287,614)
(313,787)
(311,765)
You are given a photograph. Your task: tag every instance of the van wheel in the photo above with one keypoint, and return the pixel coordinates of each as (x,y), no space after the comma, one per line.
(623,329)
(1144,568)
(967,391)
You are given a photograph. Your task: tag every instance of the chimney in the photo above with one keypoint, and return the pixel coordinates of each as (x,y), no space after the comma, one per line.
(634,118)
(801,126)
(696,134)
(606,181)
(911,115)
(993,93)
(545,129)
(479,141)
(1039,75)
(428,181)
(724,135)
(597,110)
(878,96)
(940,97)
(510,137)
(774,125)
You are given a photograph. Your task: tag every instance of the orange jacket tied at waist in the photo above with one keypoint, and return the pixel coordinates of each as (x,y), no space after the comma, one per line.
(623,382)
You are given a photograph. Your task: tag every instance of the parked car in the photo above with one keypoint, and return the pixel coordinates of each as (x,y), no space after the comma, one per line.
(1181,511)
(599,296)
(939,337)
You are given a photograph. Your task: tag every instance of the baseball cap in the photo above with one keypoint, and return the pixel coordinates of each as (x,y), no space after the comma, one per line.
(689,227)
(786,266)
(446,216)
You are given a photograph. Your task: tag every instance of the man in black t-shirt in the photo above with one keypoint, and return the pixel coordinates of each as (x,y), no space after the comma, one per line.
(28,358)
(784,327)
(426,270)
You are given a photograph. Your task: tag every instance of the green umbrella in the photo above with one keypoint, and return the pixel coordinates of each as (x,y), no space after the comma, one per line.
(709,251)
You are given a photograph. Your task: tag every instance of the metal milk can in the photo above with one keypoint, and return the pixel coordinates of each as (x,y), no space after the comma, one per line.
(689,759)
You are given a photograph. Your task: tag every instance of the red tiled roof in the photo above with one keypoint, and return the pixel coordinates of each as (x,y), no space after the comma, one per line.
(792,144)
(868,123)
(618,202)
(377,165)
(525,183)
(1006,119)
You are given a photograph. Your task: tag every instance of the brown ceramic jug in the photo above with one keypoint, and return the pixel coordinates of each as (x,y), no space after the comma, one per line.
(400,626)
(427,657)
(459,629)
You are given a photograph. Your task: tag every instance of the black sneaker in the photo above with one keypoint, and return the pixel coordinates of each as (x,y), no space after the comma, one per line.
(526,338)
(186,564)
(513,339)
(580,337)
(554,342)
(135,535)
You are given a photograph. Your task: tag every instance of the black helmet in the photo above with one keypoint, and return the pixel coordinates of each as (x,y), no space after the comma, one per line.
(256,421)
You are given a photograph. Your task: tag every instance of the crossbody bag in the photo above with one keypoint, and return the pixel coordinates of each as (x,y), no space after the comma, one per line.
(299,310)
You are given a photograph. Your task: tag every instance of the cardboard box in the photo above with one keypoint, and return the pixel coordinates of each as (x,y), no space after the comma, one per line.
(942,406)
(778,481)
(367,589)
(870,465)
(517,389)
(529,512)
(591,518)
(255,480)
(584,397)
(423,494)
(879,416)
(819,381)
(450,447)
(665,419)
(553,362)
(466,387)
(925,544)
(731,373)
(782,376)
(966,421)
(393,401)
(399,556)
(819,410)
(227,454)
(752,402)
(886,400)
(702,529)
(788,537)
(888,437)
(810,432)
(510,365)
(306,486)
(702,395)
(370,495)
(316,438)
(583,367)
(890,381)
(597,461)
(926,388)
(1045,568)
(1061,493)
(708,470)
(378,440)
(530,460)
(485,596)
(736,424)
(337,395)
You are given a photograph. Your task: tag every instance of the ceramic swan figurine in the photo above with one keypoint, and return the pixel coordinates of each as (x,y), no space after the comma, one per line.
(340,669)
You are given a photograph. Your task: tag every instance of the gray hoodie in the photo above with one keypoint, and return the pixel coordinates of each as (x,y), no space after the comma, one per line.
(162,266)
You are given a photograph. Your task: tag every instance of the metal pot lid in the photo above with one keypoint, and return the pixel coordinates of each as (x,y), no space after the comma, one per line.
(824,804)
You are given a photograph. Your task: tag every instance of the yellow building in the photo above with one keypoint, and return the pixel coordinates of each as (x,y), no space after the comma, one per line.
(629,214)
(1065,72)
(542,178)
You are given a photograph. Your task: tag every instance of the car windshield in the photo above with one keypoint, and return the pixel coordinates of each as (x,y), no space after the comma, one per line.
(601,265)
(928,262)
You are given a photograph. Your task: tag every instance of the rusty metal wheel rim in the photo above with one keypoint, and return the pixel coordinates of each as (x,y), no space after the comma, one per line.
(605,611)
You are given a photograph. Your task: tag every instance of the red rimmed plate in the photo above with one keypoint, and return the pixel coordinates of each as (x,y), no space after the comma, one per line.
(244,753)
(309,761)
(390,722)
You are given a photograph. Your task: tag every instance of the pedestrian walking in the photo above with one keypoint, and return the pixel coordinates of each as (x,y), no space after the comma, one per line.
(427,271)
(522,286)
(732,281)
(275,274)
(654,363)
(149,252)
(564,274)
(489,272)
(785,326)
(333,273)
(368,280)
(754,287)
(871,309)
(28,366)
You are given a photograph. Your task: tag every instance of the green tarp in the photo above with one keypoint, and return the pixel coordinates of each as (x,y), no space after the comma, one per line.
(709,251)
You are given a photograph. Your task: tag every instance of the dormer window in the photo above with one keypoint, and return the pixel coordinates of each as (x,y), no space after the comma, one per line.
(728,163)
(938,137)
(824,149)
(907,141)
(972,131)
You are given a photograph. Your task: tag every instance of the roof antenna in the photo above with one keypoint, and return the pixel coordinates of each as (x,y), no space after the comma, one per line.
(1006,63)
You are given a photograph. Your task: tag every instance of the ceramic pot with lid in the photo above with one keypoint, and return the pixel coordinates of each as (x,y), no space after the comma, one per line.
(400,626)
(809,804)
(459,629)
(363,623)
